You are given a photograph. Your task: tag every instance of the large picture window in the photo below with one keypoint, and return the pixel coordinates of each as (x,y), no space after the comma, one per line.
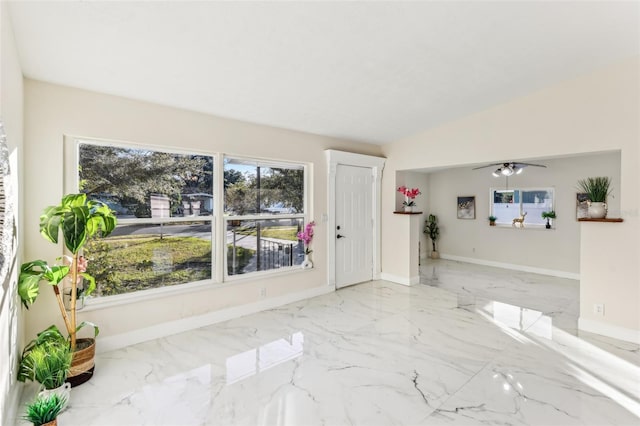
(508,204)
(164,202)
(166,207)
(264,207)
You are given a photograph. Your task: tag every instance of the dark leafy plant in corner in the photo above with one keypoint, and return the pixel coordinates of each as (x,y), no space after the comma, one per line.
(432,230)
(44,409)
(596,188)
(77,219)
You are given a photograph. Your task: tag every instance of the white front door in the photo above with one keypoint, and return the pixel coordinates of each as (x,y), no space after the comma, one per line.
(354,225)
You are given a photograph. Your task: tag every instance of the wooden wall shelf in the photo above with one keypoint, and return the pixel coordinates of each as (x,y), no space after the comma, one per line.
(407,212)
(606,219)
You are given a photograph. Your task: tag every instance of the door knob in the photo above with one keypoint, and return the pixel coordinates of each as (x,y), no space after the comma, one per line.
(340,236)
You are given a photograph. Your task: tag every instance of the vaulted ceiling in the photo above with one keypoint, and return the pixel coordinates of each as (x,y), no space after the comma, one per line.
(367,71)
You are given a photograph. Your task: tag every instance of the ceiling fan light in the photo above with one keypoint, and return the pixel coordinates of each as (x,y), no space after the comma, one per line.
(519,170)
(507,171)
(496,173)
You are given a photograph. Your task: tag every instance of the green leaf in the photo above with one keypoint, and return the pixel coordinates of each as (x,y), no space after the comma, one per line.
(74,200)
(50,223)
(92,283)
(55,274)
(74,228)
(96,330)
(29,287)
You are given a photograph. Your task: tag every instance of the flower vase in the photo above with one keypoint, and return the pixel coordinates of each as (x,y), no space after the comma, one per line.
(597,210)
(306,263)
(408,209)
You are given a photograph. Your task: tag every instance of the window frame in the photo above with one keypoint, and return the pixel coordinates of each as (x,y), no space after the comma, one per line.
(305,215)
(218,219)
(520,204)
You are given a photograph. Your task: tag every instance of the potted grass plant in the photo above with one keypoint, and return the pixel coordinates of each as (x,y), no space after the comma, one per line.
(492,220)
(597,190)
(77,219)
(44,410)
(548,215)
(47,363)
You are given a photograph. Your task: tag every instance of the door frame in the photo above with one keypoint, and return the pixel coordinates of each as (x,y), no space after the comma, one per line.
(376,164)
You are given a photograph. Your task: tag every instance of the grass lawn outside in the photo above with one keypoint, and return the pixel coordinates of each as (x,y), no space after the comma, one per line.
(130,263)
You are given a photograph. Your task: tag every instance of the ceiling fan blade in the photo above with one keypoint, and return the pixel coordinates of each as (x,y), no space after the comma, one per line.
(529,164)
(488,165)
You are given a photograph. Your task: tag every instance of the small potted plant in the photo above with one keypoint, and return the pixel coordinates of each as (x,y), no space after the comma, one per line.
(77,219)
(44,410)
(432,230)
(597,190)
(306,237)
(492,220)
(409,197)
(548,215)
(47,363)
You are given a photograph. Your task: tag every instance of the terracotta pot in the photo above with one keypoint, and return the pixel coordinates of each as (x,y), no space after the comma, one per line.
(83,362)
(492,224)
(53,422)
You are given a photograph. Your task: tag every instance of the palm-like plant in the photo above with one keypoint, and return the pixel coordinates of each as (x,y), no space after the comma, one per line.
(78,219)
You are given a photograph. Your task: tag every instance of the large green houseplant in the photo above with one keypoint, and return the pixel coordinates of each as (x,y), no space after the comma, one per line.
(78,219)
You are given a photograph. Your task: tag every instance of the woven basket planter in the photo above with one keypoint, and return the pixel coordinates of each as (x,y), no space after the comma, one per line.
(83,362)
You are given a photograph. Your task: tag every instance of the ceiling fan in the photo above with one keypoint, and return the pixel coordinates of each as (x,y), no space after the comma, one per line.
(509,168)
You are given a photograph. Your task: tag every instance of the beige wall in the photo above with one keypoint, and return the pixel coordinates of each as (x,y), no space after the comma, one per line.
(52,111)
(594,113)
(553,250)
(11,110)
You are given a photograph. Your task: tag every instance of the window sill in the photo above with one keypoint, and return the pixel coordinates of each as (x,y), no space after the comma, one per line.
(98,303)
(527,227)
(265,274)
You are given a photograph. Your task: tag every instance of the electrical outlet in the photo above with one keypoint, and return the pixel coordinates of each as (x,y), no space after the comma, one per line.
(263,292)
(598,308)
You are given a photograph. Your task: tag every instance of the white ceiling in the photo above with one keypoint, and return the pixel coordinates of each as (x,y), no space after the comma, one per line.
(367,71)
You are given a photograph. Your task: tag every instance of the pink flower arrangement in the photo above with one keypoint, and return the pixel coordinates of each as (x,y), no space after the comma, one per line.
(409,195)
(306,236)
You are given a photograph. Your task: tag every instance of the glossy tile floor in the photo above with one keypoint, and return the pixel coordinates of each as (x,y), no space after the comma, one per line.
(469,345)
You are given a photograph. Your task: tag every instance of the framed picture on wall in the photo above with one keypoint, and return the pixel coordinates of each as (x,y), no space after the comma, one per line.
(582,205)
(466,207)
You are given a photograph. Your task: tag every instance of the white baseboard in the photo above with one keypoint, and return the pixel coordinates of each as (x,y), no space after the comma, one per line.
(523,268)
(617,332)
(118,341)
(400,280)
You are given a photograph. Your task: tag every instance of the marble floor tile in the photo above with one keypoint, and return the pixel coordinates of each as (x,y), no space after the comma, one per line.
(469,345)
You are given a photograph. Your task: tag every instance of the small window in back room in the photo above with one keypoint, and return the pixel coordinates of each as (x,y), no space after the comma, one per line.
(508,204)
